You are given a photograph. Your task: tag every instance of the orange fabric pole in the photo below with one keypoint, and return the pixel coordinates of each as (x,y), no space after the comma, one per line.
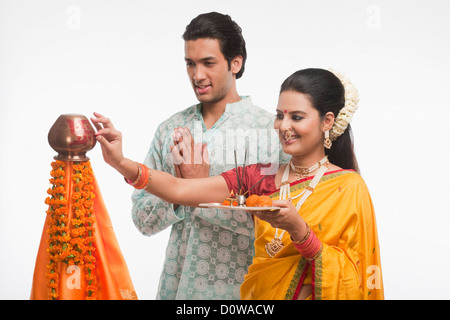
(70,279)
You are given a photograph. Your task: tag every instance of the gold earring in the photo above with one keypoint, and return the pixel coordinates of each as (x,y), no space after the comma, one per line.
(327,142)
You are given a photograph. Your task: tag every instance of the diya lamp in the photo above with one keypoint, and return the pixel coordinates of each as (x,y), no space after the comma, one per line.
(71,136)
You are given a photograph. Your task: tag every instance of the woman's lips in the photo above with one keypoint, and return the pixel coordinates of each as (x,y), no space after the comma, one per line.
(291,141)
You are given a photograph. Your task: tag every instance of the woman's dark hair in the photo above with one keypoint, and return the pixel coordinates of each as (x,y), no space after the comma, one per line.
(326,94)
(219,26)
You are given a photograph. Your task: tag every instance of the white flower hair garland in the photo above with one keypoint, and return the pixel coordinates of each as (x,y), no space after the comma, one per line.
(350,106)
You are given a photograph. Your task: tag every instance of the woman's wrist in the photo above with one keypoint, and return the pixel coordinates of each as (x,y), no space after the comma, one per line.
(142,179)
(300,232)
(127,168)
(310,246)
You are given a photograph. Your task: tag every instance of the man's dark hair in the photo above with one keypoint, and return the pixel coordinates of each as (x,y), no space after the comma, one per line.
(219,26)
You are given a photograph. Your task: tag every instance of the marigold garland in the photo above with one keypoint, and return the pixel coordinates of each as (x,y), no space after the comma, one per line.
(58,216)
(83,209)
(73,242)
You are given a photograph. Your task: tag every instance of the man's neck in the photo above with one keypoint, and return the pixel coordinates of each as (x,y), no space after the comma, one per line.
(211,112)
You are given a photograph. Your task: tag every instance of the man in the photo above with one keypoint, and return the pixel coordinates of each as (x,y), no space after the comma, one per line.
(209,250)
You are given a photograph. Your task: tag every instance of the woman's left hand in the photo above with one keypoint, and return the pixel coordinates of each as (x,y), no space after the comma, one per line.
(287,218)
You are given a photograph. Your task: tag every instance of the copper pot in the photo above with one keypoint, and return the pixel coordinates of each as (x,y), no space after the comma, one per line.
(72,135)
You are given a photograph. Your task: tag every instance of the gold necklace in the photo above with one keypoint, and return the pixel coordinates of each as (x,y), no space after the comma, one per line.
(301,172)
(276,245)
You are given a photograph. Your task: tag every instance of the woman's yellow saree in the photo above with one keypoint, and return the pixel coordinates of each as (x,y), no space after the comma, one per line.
(340,212)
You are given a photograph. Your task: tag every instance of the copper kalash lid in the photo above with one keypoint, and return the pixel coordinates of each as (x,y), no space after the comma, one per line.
(72,135)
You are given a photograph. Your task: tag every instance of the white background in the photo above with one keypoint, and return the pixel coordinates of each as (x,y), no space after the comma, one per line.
(125,59)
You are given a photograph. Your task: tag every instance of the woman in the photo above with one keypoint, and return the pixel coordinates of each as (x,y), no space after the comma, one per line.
(322,242)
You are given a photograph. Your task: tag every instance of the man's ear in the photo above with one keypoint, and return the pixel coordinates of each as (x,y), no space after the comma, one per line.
(236,64)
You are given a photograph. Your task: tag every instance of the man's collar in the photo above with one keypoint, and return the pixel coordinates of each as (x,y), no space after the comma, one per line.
(241,106)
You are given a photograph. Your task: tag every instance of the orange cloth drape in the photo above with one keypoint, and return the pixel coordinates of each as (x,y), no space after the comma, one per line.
(113,281)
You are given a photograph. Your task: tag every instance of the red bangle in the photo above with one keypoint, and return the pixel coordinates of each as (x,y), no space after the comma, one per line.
(310,247)
(143,178)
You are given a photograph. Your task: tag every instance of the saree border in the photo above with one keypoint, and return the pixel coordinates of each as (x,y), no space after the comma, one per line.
(316,281)
(297,280)
(317,264)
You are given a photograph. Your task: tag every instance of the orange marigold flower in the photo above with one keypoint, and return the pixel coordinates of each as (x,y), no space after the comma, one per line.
(54,285)
(90,240)
(90,220)
(77,232)
(88,203)
(52,230)
(57,180)
(50,267)
(50,220)
(77,222)
(60,202)
(89,259)
(91,288)
(64,238)
(64,219)
(59,190)
(55,249)
(58,173)
(77,241)
(79,212)
(60,163)
(78,176)
(76,195)
(54,276)
(78,167)
(90,278)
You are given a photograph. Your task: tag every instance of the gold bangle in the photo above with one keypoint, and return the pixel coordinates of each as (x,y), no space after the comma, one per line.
(133,183)
(149,178)
(308,231)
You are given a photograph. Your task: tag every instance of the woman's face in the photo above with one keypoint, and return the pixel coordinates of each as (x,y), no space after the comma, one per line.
(295,113)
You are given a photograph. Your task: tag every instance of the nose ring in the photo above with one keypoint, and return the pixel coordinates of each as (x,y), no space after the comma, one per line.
(288,134)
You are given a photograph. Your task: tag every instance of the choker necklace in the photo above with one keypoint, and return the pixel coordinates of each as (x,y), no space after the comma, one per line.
(275,246)
(301,172)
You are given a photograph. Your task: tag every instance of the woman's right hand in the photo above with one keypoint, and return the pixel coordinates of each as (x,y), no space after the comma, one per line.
(287,218)
(110,140)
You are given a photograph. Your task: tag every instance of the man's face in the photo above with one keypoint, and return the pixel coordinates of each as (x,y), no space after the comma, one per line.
(208,70)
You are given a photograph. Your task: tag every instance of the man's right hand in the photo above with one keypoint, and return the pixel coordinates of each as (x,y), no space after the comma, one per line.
(190,160)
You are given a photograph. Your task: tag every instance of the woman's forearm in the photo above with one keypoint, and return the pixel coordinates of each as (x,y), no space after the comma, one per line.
(127,168)
(161,185)
(188,192)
